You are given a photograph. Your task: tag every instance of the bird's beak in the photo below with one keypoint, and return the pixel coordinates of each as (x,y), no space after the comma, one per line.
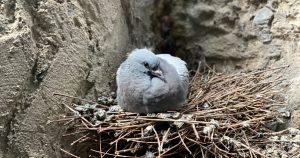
(158,73)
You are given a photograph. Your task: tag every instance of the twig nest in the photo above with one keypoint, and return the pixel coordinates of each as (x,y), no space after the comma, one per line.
(228,109)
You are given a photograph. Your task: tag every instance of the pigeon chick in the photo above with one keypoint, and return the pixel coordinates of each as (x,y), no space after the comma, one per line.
(149,83)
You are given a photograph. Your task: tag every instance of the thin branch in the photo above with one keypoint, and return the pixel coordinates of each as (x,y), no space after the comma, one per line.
(68,153)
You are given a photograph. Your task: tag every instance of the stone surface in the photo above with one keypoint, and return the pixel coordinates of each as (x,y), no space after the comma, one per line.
(242,35)
(47,47)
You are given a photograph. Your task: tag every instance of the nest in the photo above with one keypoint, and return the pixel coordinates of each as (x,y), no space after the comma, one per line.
(226,116)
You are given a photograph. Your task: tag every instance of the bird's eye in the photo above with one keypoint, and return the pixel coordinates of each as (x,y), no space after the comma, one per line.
(146,64)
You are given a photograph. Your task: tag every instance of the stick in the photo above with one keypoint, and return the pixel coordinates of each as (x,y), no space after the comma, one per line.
(184,144)
(68,153)
(195,131)
(158,142)
(109,154)
(173,120)
(100,145)
(79,114)
(79,139)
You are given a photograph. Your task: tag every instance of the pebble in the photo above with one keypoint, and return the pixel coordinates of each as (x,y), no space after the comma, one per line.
(264,16)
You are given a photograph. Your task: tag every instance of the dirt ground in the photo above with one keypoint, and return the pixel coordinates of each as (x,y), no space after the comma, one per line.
(74,48)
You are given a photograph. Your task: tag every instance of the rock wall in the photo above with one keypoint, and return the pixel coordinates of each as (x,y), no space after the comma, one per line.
(73,47)
(53,46)
(240,36)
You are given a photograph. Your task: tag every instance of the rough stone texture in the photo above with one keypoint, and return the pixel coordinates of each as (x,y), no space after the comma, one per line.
(242,35)
(74,47)
(285,31)
(54,46)
(138,16)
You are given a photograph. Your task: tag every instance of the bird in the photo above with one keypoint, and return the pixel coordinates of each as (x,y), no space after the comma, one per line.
(150,83)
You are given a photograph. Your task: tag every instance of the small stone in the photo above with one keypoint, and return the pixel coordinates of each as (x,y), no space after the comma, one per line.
(176,115)
(100,114)
(264,16)
(284,112)
(184,117)
(151,115)
(106,100)
(102,100)
(80,108)
(205,106)
(110,100)
(115,108)
(164,115)
(208,129)
(294,131)
(149,154)
(148,130)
